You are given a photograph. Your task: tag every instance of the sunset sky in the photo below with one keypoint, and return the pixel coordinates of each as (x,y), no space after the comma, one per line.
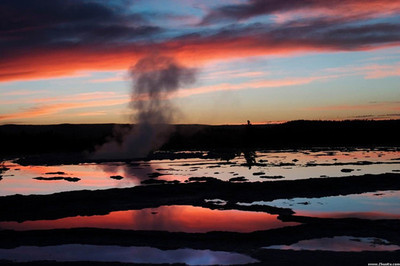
(264,60)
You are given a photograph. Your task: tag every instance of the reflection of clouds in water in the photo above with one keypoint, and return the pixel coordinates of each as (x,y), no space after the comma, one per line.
(341,243)
(199,219)
(155,220)
(77,252)
(139,173)
(273,163)
(375,205)
(175,218)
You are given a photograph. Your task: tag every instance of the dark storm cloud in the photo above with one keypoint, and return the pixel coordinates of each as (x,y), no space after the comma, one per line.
(62,23)
(315,33)
(338,36)
(356,36)
(49,38)
(253,8)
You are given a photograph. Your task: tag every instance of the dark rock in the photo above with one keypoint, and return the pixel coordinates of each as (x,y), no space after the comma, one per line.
(154,175)
(53,178)
(238,179)
(153,181)
(203,179)
(272,177)
(259,173)
(346,170)
(72,179)
(55,173)
(116,177)
(285,164)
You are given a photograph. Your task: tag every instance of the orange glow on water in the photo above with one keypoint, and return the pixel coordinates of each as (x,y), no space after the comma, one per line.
(166,218)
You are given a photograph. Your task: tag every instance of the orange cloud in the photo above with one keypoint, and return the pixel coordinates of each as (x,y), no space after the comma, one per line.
(38,47)
(249,85)
(98,113)
(100,99)
(22,92)
(88,96)
(192,52)
(62,63)
(370,106)
(374,71)
(379,71)
(59,107)
(113,79)
(227,74)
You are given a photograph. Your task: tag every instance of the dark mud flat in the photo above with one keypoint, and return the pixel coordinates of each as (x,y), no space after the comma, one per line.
(56,144)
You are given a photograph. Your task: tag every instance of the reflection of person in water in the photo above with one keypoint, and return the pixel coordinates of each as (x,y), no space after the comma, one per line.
(248,151)
(250,157)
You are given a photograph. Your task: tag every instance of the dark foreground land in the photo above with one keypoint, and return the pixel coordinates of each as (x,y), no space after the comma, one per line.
(70,138)
(72,143)
(66,204)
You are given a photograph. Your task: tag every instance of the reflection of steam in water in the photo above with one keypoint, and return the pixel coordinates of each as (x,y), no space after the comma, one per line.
(135,173)
(198,219)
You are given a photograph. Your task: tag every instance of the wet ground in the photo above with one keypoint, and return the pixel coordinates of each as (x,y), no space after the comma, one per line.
(337,206)
(270,165)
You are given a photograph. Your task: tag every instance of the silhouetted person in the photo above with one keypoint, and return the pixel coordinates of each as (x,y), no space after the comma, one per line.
(248,151)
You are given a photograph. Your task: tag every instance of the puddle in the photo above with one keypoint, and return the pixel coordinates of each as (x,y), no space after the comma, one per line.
(219,202)
(75,252)
(272,166)
(175,218)
(341,243)
(374,205)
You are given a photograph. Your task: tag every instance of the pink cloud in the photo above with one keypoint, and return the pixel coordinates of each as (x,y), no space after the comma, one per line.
(59,107)
(23,92)
(348,107)
(87,96)
(250,85)
(374,71)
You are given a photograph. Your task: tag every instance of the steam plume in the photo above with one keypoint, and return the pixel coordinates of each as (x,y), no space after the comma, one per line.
(155,78)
